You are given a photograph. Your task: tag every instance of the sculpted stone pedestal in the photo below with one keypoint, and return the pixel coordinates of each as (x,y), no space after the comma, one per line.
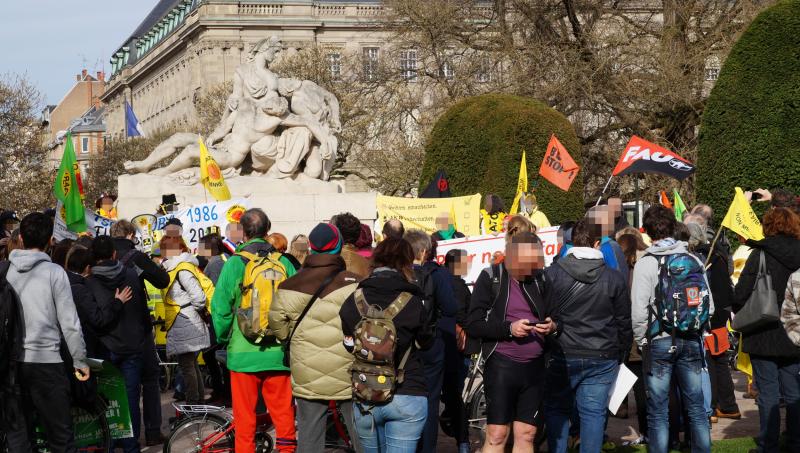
(294,206)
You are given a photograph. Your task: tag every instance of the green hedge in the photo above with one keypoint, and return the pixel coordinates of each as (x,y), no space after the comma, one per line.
(479,142)
(750,133)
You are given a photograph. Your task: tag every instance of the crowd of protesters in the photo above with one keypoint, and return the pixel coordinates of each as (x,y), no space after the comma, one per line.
(550,340)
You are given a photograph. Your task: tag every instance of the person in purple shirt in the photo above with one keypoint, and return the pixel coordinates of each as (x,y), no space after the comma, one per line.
(507,313)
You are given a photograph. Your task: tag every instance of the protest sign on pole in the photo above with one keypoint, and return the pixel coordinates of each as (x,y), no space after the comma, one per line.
(96,225)
(199,219)
(481,249)
(558,167)
(421,213)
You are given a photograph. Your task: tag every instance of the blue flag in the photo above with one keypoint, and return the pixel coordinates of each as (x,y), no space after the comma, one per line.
(132,126)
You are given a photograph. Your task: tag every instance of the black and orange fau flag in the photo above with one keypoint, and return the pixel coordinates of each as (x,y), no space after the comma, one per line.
(558,167)
(641,156)
(439,187)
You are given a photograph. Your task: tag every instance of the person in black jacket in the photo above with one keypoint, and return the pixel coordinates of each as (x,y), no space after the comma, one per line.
(508,314)
(127,340)
(97,316)
(403,418)
(590,305)
(124,234)
(775,359)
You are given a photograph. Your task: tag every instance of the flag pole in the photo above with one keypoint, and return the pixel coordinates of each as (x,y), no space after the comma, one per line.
(713,243)
(608,183)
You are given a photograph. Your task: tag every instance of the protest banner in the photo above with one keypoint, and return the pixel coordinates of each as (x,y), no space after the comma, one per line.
(111,385)
(421,213)
(96,225)
(199,220)
(481,249)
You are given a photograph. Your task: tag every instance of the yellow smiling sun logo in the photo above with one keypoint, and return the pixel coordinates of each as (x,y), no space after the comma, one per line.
(234,213)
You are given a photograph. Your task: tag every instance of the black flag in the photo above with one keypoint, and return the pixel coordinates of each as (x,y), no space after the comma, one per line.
(439,187)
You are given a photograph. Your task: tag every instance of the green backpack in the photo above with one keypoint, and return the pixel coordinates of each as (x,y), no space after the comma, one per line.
(373,373)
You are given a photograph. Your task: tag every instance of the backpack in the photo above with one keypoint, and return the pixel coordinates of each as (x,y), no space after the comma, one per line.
(263,273)
(171,308)
(374,375)
(682,296)
(423,278)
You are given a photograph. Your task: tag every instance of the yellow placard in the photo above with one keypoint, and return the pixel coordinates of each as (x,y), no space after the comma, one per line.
(421,213)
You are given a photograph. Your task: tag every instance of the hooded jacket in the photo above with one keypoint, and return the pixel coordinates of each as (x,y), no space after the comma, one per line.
(645,281)
(97,316)
(381,289)
(597,322)
(127,336)
(48,311)
(487,311)
(145,268)
(189,333)
(720,284)
(355,263)
(782,257)
(319,361)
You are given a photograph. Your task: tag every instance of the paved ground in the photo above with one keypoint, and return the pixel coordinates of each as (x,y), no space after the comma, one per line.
(618,429)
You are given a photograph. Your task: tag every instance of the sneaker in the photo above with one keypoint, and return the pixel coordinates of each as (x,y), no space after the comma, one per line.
(641,440)
(731,415)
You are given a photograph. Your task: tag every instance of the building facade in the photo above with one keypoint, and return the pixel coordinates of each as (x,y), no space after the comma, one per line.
(184,47)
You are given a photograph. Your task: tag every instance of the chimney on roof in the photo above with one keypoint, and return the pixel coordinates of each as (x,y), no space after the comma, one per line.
(101,76)
(83,74)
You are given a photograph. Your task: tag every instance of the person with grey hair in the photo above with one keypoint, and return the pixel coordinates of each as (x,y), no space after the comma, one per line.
(723,400)
(440,302)
(722,244)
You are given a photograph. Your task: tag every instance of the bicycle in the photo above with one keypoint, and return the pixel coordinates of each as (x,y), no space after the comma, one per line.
(211,429)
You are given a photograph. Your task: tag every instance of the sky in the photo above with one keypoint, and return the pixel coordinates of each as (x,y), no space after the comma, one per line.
(52,40)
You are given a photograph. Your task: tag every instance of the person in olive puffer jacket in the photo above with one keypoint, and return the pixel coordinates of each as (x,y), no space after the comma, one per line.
(319,361)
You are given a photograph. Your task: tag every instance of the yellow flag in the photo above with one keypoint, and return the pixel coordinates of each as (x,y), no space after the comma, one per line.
(522,185)
(211,176)
(741,219)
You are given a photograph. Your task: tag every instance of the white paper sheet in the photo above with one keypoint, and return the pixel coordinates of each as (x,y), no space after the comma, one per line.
(622,386)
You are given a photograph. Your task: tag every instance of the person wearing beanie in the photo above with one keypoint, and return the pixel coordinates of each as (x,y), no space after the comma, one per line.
(319,363)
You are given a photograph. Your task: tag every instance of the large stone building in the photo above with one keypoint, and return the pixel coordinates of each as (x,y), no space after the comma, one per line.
(184,47)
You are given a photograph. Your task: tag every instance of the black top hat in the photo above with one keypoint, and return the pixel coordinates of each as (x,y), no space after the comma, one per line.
(169,199)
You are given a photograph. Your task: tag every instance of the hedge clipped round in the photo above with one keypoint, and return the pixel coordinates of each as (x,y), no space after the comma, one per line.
(479,142)
(750,133)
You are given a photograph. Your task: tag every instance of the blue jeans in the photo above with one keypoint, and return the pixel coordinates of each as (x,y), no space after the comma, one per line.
(777,377)
(395,427)
(585,383)
(131,367)
(687,362)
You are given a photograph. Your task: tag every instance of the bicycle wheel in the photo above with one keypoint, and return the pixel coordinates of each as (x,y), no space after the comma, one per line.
(200,433)
(95,430)
(477,414)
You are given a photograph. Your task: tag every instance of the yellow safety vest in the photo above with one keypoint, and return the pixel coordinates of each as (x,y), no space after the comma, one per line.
(156,305)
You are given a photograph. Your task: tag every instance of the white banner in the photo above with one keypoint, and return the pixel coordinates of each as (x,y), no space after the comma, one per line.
(199,219)
(96,225)
(481,249)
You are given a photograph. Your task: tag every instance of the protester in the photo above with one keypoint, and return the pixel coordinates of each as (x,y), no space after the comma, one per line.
(529,208)
(395,426)
(620,219)
(227,249)
(253,368)
(666,354)
(184,302)
(350,228)
(127,341)
(58,252)
(457,264)
(512,335)
(212,249)
(14,243)
(445,228)
(319,362)
(299,248)
(723,245)
(364,243)
(775,359)
(48,314)
(8,223)
(281,244)
(105,206)
(589,303)
(393,229)
(149,273)
(723,400)
(95,315)
(492,214)
(208,247)
(603,217)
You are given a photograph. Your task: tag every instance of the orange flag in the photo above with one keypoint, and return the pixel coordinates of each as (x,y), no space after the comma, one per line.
(665,200)
(558,166)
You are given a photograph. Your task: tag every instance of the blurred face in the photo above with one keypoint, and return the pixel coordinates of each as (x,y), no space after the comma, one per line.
(615,205)
(107,204)
(443,221)
(170,252)
(11,225)
(173,230)
(461,267)
(522,260)
(235,233)
(604,217)
(203,250)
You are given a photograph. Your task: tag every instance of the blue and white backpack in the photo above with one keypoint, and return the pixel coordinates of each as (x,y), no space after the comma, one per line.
(682,297)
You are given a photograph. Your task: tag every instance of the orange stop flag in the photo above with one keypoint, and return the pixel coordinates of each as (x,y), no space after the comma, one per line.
(558,167)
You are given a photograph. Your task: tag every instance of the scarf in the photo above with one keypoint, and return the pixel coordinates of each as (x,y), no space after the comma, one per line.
(448,233)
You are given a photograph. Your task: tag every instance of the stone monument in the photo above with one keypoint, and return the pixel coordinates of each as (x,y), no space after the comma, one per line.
(288,129)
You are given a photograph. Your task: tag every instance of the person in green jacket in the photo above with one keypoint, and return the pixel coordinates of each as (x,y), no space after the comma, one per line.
(253,367)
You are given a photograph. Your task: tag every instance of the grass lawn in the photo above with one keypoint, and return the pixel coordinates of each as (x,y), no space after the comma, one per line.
(720,446)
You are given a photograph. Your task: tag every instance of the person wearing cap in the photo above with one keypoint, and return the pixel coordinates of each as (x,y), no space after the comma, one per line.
(105,206)
(253,368)
(8,223)
(319,361)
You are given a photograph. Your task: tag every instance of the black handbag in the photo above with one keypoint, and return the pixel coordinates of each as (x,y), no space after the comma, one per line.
(761,309)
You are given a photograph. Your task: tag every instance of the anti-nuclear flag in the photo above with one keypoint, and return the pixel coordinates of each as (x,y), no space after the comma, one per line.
(558,167)
(522,185)
(741,219)
(211,176)
(67,189)
(641,156)
(680,208)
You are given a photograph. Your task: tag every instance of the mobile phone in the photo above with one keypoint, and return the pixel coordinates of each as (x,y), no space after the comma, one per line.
(541,323)
(755,196)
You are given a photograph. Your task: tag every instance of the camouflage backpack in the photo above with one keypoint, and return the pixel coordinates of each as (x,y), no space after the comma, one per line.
(373,373)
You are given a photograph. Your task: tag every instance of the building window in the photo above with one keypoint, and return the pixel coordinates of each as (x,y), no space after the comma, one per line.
(447,71)
(408,65)
(370,55)
(484,74)
(85,145)
(335,65)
